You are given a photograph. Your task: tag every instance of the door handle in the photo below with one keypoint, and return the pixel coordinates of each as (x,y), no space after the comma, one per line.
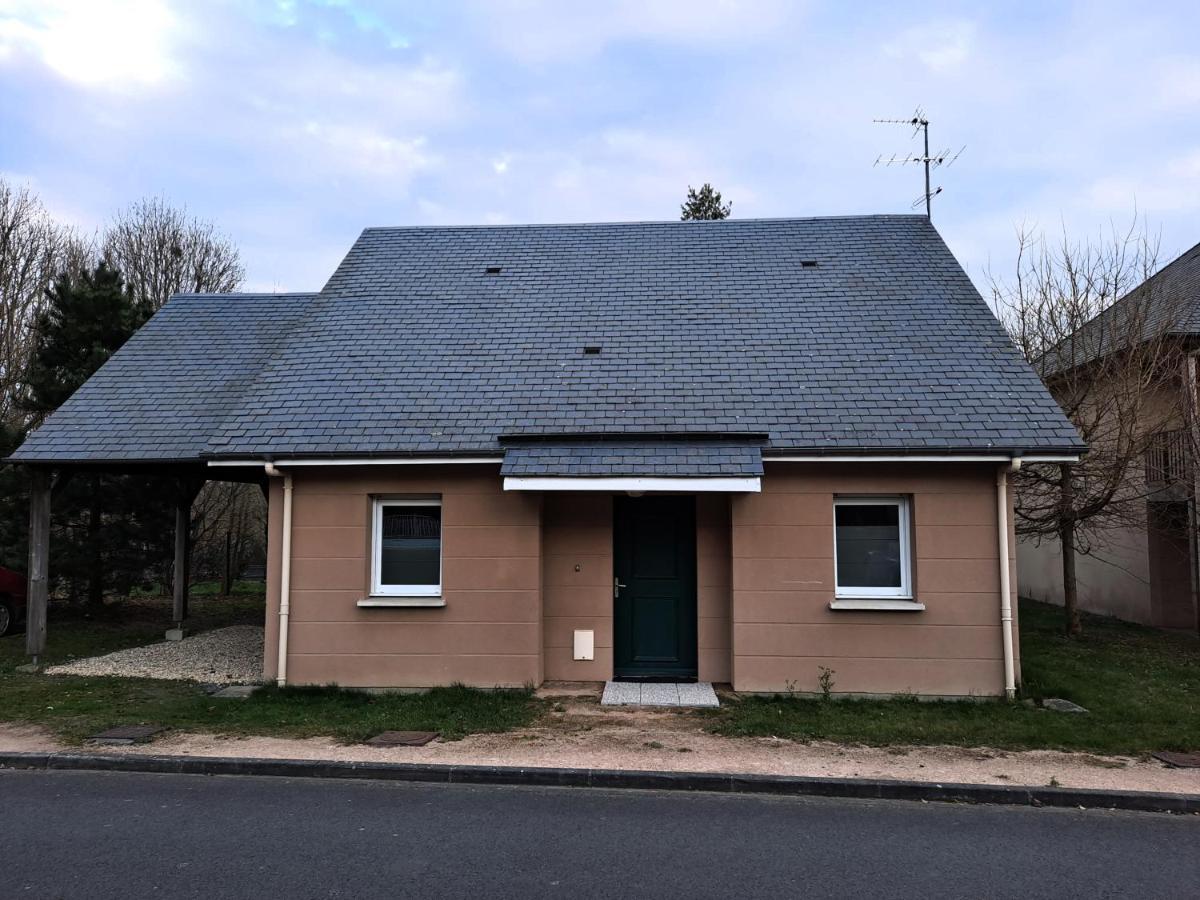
(617,588)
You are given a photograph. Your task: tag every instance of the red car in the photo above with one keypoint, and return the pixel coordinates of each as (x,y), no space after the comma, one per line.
(12,600)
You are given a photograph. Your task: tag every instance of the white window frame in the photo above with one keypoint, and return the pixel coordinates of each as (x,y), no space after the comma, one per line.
(378,589)
(904,521)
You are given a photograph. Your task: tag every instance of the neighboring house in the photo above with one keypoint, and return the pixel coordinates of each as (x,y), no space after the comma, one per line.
(1144,570)
(734,451)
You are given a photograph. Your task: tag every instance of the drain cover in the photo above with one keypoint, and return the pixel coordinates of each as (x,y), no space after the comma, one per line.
(1059,705)
(235,691)
(1179,760)
(402,739)
(127,734)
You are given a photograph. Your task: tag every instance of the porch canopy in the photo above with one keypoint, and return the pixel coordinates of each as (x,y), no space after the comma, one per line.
(732,466)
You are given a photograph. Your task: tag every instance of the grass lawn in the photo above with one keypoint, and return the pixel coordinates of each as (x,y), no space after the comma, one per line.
(75,707)
(1141,687)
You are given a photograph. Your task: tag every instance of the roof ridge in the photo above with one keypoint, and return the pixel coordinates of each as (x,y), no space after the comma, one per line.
(208,295)
(916,217)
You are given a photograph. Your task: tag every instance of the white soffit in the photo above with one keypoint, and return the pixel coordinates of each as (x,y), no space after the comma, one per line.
(648,485)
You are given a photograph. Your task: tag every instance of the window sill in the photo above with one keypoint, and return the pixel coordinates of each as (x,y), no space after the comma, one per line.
(877,604)
(385,602)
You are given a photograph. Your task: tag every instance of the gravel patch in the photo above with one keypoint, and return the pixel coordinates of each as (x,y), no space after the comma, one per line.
(232,655)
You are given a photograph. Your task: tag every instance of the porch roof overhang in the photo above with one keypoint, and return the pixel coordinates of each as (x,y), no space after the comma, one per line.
(654,465)
(637,485)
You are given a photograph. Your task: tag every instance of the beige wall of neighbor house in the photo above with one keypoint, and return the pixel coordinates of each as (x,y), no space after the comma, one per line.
(1113,581)
(522,572)
(488,634)
(783,582)
(1132,571)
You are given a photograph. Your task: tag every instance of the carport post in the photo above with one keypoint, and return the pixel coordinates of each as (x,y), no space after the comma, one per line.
(39,563)
(182,525)
(183,555)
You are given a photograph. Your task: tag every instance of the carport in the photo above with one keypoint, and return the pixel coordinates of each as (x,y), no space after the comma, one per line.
(182,480)
(158,407)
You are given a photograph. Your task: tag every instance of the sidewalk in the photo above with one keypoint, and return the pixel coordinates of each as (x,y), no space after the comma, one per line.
(581,735)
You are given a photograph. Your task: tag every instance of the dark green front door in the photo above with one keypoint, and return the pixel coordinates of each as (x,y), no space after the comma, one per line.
(654,591)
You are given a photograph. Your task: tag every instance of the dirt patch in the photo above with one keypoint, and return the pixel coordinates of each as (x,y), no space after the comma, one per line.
(26,739)
(578,733)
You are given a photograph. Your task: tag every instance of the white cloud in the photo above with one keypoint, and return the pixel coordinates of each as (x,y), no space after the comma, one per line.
(626,173)
(112,44)
(366,152)
(1172,187)
(939,46)
(1179,83)
(425,90)
(319,115)
(541,31)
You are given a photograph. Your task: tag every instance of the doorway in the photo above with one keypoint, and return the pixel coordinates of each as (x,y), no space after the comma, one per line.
(654,588)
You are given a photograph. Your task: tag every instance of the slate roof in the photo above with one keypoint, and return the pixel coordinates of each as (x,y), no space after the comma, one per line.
(1175,294)
(165,393)
(1166,303)
(414,347)
(626,458)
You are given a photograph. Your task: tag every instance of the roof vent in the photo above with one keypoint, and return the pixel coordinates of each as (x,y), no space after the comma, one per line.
(492,270)
(808,264)
(592,350)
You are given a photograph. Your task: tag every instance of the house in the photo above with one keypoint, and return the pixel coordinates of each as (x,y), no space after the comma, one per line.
(738,451)
(1143,567)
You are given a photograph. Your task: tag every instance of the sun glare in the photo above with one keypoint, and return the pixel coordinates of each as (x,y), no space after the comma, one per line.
(103,43)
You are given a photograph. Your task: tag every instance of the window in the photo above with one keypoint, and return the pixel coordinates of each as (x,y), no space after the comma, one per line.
(406,556)
(871,547)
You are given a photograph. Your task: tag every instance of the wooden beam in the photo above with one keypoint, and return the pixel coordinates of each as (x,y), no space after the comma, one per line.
(39,563)
(188,489)
(183,521)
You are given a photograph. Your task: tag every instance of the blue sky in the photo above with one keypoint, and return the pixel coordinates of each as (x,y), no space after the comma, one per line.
(295,123)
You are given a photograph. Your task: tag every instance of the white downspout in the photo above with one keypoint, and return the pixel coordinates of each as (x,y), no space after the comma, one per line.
(285,573)
(1006,612)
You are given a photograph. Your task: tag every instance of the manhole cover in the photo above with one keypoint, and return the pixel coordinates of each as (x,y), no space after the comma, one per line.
(127,734)
(402,739)
(1179,760)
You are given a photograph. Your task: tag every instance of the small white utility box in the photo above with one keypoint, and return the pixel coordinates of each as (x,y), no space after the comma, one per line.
(585,644)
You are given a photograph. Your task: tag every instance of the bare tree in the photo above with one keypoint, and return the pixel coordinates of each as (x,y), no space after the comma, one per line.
(33,250)
(228,527)
(1090,320)
(161,251)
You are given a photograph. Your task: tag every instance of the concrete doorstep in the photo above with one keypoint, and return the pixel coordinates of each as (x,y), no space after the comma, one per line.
(796,786)
(627,693)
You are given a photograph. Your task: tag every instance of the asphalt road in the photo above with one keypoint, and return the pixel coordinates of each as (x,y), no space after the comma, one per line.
(100,835)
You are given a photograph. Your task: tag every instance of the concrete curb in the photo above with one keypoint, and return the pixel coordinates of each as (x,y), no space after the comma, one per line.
(786,785)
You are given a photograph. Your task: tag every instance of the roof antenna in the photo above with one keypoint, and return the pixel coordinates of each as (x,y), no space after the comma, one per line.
(919,123)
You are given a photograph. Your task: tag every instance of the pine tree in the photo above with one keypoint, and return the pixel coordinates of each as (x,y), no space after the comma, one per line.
(103,524)
(14,504)
(704,204)
(87,318)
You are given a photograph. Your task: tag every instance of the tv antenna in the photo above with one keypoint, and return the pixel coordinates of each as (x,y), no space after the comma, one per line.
(919,123)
